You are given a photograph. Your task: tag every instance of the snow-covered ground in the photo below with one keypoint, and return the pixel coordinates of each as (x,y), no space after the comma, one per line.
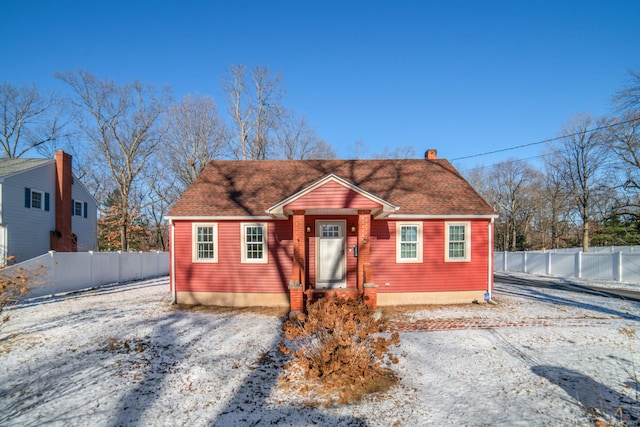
(122,355)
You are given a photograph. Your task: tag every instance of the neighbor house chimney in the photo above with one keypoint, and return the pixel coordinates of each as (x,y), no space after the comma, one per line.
(431,154)
(62,238)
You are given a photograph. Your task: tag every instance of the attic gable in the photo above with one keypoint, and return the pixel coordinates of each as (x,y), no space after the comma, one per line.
(331,195)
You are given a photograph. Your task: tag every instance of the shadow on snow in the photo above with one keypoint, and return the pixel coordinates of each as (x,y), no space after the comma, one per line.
(250,405)
(593,396)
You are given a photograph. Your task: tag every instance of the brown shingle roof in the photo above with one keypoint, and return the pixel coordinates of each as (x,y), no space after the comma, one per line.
(248,188)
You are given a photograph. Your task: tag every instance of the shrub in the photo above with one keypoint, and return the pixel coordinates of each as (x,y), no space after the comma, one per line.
(339,351)
(13,283)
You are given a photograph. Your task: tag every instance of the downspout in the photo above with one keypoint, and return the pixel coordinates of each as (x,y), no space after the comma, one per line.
(172,252)
(490,262)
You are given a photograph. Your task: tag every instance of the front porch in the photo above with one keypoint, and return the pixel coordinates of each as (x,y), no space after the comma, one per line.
(331,221)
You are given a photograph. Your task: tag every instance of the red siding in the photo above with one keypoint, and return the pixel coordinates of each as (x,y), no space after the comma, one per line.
(332,195)
(433,274)
(229,274)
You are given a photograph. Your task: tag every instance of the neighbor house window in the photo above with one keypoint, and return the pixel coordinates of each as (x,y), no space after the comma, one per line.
(36,199)
(408,242)
(205,243)
(79,208)
(254,243)
(457,241)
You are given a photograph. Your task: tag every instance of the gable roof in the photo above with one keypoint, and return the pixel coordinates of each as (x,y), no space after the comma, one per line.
(13,166)
(241,188)
(357,198)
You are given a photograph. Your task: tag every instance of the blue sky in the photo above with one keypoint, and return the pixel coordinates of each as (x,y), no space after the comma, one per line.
(464,77)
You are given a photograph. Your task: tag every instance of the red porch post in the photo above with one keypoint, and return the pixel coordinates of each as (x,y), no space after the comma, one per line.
(298,273)
(364,250)
(299,255)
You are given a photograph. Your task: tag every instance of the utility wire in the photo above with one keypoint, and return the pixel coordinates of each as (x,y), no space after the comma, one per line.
(546,140)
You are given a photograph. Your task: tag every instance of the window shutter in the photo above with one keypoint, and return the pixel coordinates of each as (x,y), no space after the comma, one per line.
(85,209)
(27,197)
(46,202)
(73,207)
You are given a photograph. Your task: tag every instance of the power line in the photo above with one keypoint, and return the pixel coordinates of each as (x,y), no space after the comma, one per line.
(545,141)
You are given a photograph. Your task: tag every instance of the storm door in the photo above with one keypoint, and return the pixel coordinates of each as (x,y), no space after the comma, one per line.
(331,262)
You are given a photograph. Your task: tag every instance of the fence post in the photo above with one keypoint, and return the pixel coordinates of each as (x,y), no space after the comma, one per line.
(504,260)
(140,270)
(91,267)
(119,266)
(620,266)
(54,273)
(548,263)
(579,264)
(524,262)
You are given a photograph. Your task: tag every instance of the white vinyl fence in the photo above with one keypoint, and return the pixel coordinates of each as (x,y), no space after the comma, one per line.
(59,272)
(618,266)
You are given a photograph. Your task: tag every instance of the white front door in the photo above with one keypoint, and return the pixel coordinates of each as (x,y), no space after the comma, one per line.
(331,259)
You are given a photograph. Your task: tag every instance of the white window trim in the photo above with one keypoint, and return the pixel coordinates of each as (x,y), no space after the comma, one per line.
(41,199)
(194,239)
(419,251)
(467,241)
(243,243)
(75,202)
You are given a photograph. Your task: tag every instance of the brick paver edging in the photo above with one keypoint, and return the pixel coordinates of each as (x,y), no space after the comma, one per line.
(461,324)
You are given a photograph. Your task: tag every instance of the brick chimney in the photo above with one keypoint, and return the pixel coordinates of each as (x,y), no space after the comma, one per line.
(431,154)
(62,239)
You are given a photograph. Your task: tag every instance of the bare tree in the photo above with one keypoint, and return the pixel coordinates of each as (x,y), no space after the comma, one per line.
(513,188)
(28,120)
(397,152)
(555,209)
(582,162)
(162,194)
(624,140)
(297,140)
(358,150)
(255,108)
(194,135)
(121,122)
(628,98)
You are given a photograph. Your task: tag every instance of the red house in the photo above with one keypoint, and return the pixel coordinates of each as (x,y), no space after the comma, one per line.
(277,232)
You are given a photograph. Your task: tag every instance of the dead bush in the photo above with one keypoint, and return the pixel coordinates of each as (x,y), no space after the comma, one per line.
(339,351)
(15,282)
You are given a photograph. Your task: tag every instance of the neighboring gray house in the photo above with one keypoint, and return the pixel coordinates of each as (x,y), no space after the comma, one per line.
(43,207)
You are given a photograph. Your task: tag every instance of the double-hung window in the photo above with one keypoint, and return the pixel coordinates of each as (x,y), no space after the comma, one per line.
(254,243)
(205,242)
(79,208)
(408,242)
(36,199)
(458,241)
